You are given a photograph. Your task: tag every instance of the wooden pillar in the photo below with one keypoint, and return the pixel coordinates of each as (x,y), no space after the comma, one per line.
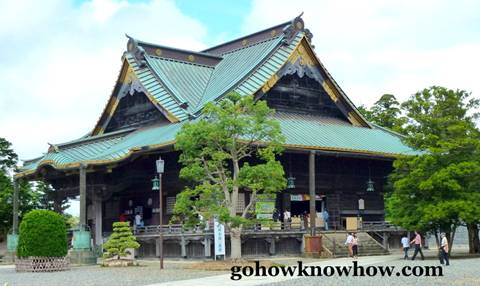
(183,246)
(83,196)
(207,246)
(97,205)
(311,188)
(15,206)
(271,249)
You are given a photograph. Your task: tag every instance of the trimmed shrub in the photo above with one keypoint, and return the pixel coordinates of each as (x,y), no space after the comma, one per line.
(42,233)
(121,239)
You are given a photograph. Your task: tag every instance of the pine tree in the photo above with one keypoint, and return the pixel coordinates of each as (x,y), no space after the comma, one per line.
(121,239)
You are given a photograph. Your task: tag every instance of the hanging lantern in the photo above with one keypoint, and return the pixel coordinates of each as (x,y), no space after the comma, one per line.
(370,187)
(155,184)
(291,182)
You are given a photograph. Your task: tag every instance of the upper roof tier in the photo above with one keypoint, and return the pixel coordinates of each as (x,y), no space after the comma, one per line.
(178,83)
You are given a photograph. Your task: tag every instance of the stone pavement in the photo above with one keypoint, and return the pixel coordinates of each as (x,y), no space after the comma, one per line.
(462,272)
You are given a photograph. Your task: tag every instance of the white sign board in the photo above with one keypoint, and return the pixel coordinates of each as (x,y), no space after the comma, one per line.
(219,237)
(361,204)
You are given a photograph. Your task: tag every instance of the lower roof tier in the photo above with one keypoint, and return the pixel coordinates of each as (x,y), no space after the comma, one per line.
(301,132)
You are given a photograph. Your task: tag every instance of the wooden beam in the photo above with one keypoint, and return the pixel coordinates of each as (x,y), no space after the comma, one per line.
(311,188)
(15,206)
(83,196)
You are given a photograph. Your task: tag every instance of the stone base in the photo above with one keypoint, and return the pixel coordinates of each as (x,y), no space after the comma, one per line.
(9,257)
(122,262)
(82,257)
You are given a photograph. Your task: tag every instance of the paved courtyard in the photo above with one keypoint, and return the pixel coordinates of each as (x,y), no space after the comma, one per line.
(465,271)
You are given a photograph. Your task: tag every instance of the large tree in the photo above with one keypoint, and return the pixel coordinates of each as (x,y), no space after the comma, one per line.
(232,147)
(438,189)
(385,112)
(28,199)
(50,199)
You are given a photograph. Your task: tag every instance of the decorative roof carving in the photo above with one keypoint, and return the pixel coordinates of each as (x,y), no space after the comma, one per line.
(296,25)
(136,50)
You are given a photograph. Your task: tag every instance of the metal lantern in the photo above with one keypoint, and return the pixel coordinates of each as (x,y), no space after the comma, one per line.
(370,187)
(155,184)
(290,182)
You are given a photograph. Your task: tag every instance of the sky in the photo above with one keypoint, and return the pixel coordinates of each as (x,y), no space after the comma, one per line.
(59,59)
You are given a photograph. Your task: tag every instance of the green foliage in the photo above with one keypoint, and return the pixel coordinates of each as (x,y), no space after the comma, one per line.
(28,200)
(42,233)
(385,112)
(8,158)
(438,116)
(438,189)
(50,199)
(120,240)
(232,147)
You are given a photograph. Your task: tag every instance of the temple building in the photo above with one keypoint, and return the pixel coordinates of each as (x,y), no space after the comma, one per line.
(331,150)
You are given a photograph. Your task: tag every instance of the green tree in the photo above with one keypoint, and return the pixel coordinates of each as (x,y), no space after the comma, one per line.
(28,199)
(233,147)
(439,188)
(8,158)
(119,241)
(42,233)
(50,199)
(385,112)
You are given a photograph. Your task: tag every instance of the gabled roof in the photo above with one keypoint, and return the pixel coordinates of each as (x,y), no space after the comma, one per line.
(179,83)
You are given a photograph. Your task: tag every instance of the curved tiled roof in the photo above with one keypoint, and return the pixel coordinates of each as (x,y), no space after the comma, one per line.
(179,84)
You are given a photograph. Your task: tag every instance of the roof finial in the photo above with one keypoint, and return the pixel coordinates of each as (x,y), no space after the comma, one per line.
(136,50)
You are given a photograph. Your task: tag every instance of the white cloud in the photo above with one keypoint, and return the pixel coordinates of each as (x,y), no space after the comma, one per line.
(377,47)
(58,62)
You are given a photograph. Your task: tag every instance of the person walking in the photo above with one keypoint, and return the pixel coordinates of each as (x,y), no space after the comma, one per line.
(444,250)
(325,218)
(406,246)
(355,246)
(287,218)
(417,241)
(348,243)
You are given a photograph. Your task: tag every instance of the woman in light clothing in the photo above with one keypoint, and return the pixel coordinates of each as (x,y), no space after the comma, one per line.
(348,243)
(355,246)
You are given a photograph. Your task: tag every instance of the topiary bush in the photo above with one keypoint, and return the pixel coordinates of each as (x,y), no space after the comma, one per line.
(121,239)
(42,233)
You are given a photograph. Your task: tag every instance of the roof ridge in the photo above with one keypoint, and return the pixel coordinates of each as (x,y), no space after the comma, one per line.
(251,45)
(201,53)
(247,36)
(181,61)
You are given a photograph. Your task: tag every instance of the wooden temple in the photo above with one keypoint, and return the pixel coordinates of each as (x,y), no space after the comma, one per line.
(334,158)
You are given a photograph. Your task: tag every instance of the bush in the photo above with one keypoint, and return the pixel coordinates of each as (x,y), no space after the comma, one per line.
(121,239)
(42,233)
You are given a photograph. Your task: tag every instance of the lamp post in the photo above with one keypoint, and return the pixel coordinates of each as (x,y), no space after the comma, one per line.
(157,186)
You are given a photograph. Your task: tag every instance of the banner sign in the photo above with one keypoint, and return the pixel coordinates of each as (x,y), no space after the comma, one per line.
(265,206)
(299,198)
(219,237)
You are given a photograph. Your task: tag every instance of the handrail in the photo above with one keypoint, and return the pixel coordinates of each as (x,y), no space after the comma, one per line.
(254,228)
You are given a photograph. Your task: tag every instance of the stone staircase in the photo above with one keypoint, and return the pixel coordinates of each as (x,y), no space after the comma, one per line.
(367,245)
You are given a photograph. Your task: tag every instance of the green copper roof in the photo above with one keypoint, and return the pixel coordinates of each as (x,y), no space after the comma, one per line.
(301,131)
(242,67)
(235,67)
(327,133)
(186,80)
(152,83)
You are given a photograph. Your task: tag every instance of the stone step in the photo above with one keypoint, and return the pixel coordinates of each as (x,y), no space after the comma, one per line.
(367,245)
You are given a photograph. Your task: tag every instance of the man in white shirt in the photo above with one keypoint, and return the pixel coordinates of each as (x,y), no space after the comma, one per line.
(444,250)
(287,218)
(349,244)
(138,220)
(406,246)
